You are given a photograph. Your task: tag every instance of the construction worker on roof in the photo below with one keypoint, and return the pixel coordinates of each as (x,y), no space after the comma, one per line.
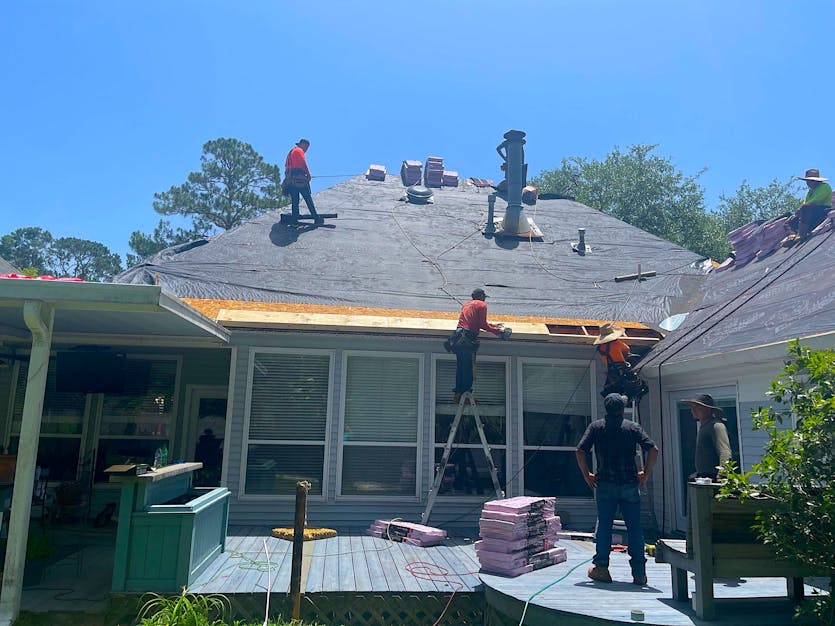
(815,207)
(613,351)
(464,341)
(297,179)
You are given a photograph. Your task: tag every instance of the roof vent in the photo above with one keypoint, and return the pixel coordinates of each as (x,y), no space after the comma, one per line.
(418,194)
(515,222)
(580,247)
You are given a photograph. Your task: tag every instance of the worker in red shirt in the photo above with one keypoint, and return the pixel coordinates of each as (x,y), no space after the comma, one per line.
(464,341)
(297,179)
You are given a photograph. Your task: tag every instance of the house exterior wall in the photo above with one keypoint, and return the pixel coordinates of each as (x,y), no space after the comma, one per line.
(334,510)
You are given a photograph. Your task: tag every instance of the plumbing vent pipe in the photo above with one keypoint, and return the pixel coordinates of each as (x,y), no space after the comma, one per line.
(581,245)
(490,227)
(515,220)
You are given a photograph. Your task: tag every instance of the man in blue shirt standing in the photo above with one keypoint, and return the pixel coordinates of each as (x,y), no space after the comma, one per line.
(616,483)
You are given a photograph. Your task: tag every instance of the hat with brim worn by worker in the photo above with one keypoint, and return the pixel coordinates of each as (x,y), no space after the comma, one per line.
(302,141)
(814,174)
(706,400)
(609,332)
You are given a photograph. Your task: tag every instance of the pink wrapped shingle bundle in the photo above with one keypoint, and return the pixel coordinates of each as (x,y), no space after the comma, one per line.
(515,564)
(499,529)
(522,504)
(376,172)
(530,545)
(450,178)
(411,172)
(407,532)
(433,176)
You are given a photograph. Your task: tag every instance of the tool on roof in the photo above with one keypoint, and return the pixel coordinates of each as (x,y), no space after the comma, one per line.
(466,398)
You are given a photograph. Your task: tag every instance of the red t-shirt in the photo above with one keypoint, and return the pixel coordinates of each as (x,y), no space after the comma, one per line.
(474,317)
(296,160)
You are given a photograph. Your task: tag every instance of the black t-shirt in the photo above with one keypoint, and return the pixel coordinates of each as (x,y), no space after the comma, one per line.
(614,439)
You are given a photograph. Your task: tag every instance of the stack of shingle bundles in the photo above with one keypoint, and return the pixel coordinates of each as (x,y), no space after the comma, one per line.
(745,242)
(771,234)
(411,172)
(434,174)
(450,178)
(407,532)
(376,172)
(519,535)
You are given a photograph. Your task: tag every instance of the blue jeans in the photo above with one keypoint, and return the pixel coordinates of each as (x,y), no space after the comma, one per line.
(608,497)
(463,370)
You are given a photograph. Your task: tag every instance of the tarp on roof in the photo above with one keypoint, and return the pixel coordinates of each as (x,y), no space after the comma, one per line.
(787,295)
(385,253)
(6,267)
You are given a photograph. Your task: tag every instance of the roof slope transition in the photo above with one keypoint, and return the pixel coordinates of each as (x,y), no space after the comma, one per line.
(786,295)
(6,267)
(383,252)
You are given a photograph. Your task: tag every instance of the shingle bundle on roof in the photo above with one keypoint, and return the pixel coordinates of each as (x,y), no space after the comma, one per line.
(518,535)
(376,172)
(450,178)
(411,172)
(757,239)
(434,174)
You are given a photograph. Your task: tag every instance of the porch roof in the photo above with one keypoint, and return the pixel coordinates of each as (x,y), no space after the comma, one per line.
(95,313)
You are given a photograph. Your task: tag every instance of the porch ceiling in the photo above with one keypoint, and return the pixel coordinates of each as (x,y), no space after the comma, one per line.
(97,313)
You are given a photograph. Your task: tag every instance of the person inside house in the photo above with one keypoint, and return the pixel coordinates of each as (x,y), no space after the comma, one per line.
(297,179)
(816,205)
(464,341)
(713,447)
(613,351)
(616,483)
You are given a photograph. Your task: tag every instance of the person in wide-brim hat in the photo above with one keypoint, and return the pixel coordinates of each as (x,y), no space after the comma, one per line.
(813,174)
(705,400)
(814,210)
(609,332)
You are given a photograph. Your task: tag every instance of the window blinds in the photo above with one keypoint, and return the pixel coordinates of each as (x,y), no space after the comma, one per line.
(63,413)
(556,389)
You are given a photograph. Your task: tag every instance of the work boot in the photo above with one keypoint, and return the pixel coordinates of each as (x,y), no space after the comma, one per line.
(600,574)
(639,580)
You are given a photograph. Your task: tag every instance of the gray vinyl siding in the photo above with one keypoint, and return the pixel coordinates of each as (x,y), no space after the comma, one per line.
(344,513)
(752,441)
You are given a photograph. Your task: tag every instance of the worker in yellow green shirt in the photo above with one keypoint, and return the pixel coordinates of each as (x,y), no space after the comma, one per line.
(816,205)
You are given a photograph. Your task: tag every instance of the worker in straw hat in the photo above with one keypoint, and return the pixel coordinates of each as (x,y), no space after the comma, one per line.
(815,207)
(713,447)
(613,351)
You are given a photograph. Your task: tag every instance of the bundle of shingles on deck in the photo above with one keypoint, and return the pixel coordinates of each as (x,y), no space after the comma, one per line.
(407,532)
(518,535)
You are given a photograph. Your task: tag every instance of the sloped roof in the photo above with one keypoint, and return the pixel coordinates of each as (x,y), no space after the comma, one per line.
(786,295)
(385,253)
(6,267)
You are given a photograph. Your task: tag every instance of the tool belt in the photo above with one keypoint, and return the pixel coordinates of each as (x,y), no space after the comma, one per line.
(298,178)
(462,340)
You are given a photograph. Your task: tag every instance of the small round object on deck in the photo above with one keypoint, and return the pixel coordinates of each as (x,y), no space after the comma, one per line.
(637,615)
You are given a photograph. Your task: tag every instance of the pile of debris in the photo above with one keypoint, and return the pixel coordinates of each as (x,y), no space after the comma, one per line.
(407,532)
(519,535)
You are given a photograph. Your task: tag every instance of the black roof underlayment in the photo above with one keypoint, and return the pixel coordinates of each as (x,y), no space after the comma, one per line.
(787,295)
(386,253)
(6,267)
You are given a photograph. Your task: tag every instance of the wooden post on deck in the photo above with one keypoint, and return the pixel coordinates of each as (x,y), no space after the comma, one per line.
(302,487)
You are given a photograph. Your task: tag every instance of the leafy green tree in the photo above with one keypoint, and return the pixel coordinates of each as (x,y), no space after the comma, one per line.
(234,184)
(756,203)
(642,189)
(27,248)
(164,236)
(90,260)
(798,465)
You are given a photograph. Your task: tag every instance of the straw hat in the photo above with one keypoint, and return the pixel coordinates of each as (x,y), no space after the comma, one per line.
(815,175)
(609,332)
(705,400)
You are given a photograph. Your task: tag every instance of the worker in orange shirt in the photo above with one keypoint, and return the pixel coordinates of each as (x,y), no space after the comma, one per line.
(297,179)
(613,351)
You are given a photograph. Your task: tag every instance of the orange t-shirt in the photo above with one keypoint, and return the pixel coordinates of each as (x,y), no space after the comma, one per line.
(296,160)
(613,351)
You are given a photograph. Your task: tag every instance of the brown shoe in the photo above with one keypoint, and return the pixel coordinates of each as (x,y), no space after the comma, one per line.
(639,580)
(600,574)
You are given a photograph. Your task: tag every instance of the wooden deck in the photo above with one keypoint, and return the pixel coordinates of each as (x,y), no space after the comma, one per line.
(576,600)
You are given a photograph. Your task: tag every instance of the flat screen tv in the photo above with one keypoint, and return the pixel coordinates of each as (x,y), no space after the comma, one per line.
(90,372)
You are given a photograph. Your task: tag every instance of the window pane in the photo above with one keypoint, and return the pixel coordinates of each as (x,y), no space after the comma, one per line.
(63,413)
(289,397)
(147,406)
(556,404)
(552,473)
(489,390)
(275,469)
(381,399)
(57,454)
(376,471)
(467,472)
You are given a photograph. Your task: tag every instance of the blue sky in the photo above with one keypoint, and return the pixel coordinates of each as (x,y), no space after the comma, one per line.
(105,103)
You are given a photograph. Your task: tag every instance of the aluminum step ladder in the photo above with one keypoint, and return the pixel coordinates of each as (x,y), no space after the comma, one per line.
(453,431)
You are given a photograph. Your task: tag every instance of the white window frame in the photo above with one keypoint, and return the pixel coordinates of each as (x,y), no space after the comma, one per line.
(520,370)
(246,441)
(194,393)
(418,434)
(476,446)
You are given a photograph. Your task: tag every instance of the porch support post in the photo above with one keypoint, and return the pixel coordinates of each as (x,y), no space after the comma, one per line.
(39,318)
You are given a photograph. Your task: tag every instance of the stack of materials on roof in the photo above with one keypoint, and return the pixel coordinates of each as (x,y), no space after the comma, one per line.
(481,182)
(450,178)
(411,172)
(376,172)
(756,240)
(518,535)
(434,174)
(407,532)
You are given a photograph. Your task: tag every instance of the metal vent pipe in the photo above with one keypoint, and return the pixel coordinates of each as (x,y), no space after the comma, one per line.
(513,152)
